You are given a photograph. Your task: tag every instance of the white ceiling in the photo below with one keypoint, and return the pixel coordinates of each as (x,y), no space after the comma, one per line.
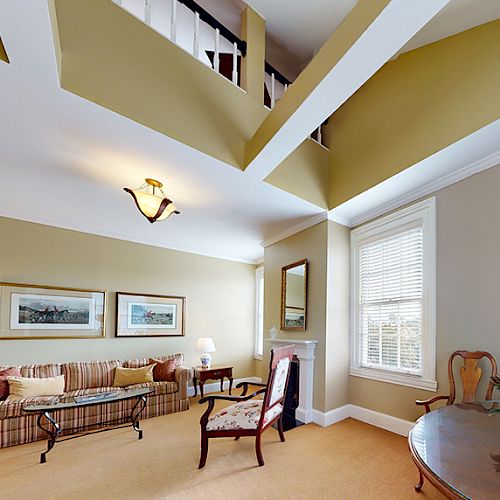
(64,162)
(302,28)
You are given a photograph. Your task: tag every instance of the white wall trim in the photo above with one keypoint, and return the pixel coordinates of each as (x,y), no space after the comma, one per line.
(215,386)
(441,182)
(382,420)
(309,222)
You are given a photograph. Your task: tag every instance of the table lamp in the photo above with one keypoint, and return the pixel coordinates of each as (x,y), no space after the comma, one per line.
(205,345)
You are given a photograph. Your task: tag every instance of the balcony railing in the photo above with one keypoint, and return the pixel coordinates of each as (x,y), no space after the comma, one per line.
(195,30)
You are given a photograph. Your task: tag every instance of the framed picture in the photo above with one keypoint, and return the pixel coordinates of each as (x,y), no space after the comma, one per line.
(49,312)
(149,315)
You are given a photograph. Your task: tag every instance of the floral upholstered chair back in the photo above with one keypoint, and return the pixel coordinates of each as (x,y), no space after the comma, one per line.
(278,375)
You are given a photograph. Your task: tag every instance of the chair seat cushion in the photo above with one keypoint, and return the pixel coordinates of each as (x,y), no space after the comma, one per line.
(243,415)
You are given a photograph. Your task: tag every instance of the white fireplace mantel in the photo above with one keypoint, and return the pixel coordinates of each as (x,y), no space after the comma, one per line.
(304,350)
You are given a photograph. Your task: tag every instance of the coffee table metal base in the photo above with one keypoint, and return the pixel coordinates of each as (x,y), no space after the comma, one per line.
(53,428)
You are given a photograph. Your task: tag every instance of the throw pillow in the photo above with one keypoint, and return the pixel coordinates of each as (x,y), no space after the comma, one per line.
(27,387)
(164,371)
(130,376)
(13,371)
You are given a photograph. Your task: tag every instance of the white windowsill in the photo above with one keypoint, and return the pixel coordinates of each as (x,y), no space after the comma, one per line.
(395,378)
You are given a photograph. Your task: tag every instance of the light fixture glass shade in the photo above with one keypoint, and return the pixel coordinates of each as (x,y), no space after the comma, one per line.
(205,344)
(151,201)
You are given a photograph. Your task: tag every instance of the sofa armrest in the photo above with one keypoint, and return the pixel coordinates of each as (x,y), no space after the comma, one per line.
(182,376)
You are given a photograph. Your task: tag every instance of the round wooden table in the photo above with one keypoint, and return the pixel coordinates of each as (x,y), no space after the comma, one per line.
(457,448)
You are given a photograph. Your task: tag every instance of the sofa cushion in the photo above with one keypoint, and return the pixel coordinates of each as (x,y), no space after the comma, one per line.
(129,376)
(164,371)
(14,408)
(86,374)
(12,371)
(41,371)
(27,387)
(139,362)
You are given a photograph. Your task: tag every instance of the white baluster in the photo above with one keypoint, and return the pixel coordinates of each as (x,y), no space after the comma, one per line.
(216,52)
(286,88)
(273,96)
(147,12)
(319,136)
(196,40)
(173,21)
(235,63)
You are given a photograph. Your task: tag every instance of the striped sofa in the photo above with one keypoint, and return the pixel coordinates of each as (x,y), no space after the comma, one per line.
(17,427)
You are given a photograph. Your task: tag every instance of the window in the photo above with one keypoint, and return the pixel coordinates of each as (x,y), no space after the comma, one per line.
(259,312)
(394,298)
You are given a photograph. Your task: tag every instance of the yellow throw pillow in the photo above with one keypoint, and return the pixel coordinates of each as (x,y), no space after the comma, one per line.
(27,387)
(130,376)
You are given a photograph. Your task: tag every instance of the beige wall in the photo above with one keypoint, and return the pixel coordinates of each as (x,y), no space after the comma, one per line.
(468,277)
(311,244)
(220,294)
(326,247)
(416,105)
(337,341)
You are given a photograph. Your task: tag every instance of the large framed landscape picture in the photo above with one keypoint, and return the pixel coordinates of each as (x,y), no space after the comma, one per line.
(149,315)
(39,312)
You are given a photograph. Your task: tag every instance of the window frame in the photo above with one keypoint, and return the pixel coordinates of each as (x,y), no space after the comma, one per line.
(422,214)
(259,342)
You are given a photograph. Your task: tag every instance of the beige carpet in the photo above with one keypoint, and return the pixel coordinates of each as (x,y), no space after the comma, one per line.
(349,460)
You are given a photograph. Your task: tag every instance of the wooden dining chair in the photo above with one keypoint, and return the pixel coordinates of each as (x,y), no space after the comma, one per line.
(248,416)
(470,373)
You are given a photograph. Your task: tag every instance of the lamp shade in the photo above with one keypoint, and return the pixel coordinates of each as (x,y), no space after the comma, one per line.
(205,344)
(151,201)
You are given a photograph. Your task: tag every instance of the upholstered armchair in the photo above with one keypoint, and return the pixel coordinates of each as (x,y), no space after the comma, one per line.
(470,373)
(249,416)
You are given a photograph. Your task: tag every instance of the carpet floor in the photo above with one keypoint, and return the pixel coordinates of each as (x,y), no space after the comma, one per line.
(349,460)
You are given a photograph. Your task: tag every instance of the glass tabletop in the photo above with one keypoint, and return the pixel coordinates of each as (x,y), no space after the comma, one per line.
(69,402)
(460,445)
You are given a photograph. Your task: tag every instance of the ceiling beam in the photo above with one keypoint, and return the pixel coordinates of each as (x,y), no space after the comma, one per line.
(369,36)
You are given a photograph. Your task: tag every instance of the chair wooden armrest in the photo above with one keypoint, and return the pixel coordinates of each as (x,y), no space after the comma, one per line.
(427,402)
(246,384)
(211,403)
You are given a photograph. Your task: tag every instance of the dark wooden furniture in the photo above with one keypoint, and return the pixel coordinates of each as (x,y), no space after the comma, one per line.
(273,395)
(470,373)
(201,375)
(54,429)
(457,448)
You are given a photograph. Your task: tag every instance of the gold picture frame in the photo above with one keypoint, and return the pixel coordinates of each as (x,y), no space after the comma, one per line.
(148,315)
(294,315)
(47,312)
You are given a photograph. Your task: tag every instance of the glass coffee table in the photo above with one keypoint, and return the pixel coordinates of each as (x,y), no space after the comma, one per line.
(457,448)
(54,429)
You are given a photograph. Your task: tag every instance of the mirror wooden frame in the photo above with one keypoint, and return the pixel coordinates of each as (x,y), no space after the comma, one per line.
(283,294)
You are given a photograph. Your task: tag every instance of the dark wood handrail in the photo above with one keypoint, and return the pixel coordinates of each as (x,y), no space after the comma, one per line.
(229,35)
(215,24)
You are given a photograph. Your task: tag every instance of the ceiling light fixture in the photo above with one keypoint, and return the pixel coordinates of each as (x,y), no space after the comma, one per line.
(151,201)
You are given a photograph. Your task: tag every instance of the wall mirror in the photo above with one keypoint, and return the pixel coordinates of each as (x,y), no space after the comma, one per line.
(294,296)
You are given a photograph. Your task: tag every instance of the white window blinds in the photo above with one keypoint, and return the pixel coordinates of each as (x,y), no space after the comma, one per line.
(390,302)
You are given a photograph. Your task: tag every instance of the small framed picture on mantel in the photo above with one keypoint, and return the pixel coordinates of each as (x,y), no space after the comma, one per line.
(149,315)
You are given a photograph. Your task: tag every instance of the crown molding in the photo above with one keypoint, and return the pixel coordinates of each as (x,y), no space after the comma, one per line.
(297,228)
(424,190)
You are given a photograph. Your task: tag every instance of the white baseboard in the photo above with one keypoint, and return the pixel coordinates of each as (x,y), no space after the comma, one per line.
(215,386)
(382,420)
(332,416)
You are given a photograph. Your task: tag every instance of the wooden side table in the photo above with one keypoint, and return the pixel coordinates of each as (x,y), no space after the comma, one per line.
(201,375)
